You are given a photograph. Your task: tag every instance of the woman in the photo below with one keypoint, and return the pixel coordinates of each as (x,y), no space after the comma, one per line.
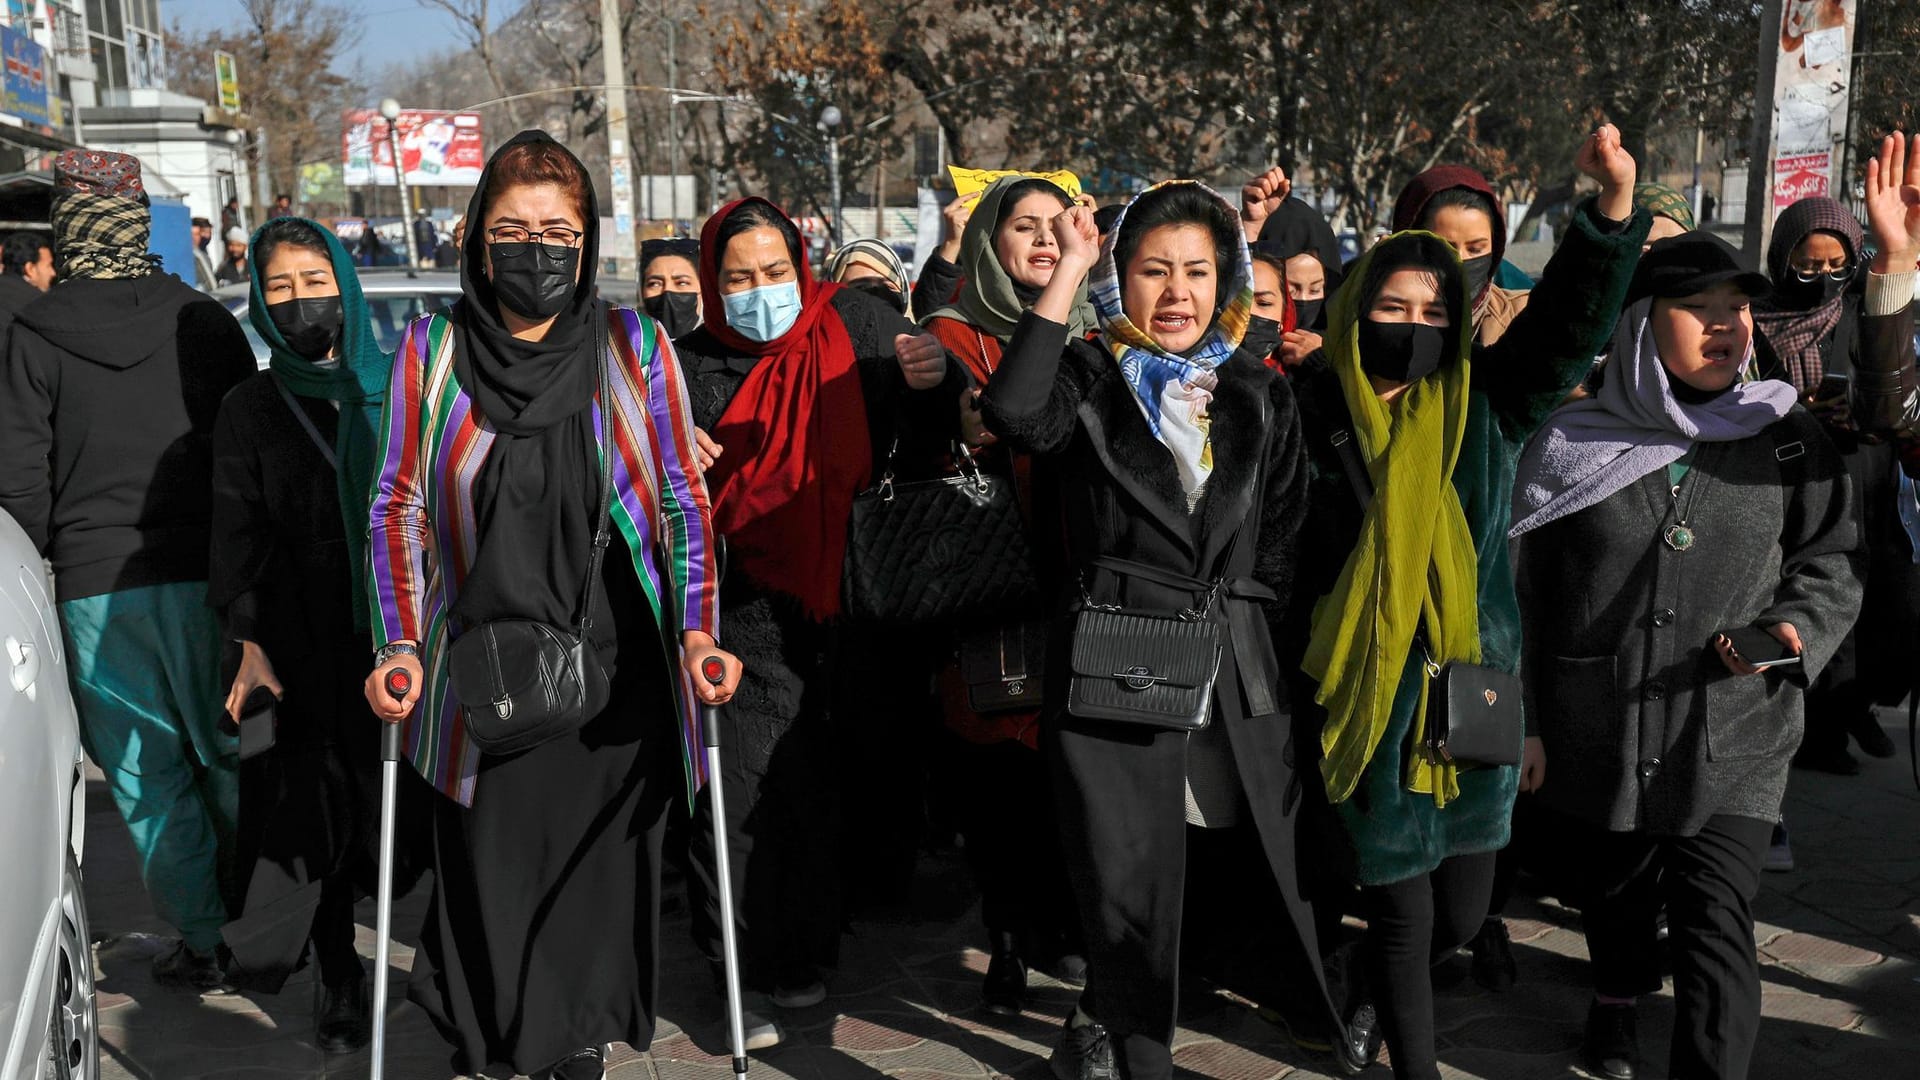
(1181,475)
(998,778)
(803,387)
(1293,232)
(670,284)
(1457,204)
(1273,315)
(1438,422)
(873,267)
(1844,340)
(294,451)
(541,941)
(1653,732)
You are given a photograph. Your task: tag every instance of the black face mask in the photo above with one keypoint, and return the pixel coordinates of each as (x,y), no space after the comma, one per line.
(1307,313)
(1479,271)
(678,312)
(1401,352)
(879,289)
(1263,336)
(534,281)
(1798,295)
(309,325)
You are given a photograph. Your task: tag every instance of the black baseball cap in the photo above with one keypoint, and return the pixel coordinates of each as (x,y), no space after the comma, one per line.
(1693,262)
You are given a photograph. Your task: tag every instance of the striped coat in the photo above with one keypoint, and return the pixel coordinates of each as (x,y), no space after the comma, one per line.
(424,526)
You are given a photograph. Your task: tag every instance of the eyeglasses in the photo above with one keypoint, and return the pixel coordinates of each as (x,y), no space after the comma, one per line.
(1806,276)
(520,234)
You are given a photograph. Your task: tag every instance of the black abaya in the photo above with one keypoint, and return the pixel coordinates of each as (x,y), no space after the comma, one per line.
(541,937)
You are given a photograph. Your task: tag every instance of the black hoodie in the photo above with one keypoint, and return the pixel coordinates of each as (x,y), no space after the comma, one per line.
(107,401)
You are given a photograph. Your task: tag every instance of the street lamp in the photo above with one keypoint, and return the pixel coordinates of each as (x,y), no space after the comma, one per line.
(830,119)
(390,109)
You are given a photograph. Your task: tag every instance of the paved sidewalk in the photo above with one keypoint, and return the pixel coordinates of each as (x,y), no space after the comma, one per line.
(1839,938)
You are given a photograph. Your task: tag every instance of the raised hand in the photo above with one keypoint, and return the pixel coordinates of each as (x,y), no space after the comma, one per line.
(1078,239)
(1893,203)
(1608,163)
(953,225)
(1261,196)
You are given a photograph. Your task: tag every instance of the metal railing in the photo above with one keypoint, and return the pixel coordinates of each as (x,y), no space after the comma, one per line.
(69,28)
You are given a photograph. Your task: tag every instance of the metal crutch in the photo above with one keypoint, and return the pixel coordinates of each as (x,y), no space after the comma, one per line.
(398,684)
(715,671)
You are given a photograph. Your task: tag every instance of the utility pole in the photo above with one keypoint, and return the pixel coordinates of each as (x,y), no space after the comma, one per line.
(613,57)
(673,122)
(1759,224)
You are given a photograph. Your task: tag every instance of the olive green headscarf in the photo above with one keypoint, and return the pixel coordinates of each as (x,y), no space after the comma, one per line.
(988,297)
(1414,564)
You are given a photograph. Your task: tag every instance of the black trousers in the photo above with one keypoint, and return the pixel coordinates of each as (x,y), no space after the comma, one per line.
(1121,796)
(1411,926)
(1003,805)
(1869,668)
(1707,883)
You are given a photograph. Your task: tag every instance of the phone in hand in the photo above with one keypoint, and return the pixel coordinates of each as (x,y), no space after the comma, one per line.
(1833,388)
(259,725)
(1759,648)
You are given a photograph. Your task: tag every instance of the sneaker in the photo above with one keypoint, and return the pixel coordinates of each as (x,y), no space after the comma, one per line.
(1361,1045)
(1611,1048)
(756,1026)
(1084,1053)
(1493,963)
(585,1064)
(1873,740)
(1779,852)
(1834,760)
(182,966)
(345,1022)
(1005,987)
(800,997)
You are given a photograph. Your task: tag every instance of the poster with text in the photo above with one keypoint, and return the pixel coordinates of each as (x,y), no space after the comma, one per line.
(23,92)
(436,148)
(1810,100)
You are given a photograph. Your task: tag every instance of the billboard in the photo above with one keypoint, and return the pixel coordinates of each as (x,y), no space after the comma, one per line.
(1810,99)
(439,148)
(226,79)
(23,89)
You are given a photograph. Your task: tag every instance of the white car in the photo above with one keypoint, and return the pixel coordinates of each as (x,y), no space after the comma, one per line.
(47,1016)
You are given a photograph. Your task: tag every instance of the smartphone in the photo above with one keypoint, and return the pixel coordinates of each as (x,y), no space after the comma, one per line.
(258,726)
(1759,648)
(1832,388)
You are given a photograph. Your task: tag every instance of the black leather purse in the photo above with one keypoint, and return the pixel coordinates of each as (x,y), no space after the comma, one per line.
(524,682)
(1005,667)
(934,551)
(1152,669)
(1474,712)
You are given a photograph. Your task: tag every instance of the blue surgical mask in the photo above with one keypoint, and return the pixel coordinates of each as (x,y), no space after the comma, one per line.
(765,313)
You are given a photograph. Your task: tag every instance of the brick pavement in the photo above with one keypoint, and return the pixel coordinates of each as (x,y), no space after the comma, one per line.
(1838,939)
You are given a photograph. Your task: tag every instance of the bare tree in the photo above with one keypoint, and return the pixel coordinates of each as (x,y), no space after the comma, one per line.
(473,20)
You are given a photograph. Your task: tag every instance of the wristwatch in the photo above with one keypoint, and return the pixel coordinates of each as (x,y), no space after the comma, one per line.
(398,648)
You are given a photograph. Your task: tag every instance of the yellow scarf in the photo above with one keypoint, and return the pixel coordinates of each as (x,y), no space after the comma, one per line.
(1414,563)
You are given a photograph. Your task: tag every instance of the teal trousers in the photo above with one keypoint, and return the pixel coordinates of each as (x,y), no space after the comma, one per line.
(146,683)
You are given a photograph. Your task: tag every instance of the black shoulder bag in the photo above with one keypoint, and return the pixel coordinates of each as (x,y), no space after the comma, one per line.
(523,682)
(1474,712)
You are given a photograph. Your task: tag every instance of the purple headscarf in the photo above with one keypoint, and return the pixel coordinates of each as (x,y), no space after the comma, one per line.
(1592,448)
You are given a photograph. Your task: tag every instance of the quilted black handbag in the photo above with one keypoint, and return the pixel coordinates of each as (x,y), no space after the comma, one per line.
(1152,668)
(934,551)
(523,682)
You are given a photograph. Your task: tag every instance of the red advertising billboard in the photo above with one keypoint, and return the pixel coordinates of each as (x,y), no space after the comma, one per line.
(437,148)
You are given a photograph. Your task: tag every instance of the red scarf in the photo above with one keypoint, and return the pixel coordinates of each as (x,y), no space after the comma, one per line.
(795,434)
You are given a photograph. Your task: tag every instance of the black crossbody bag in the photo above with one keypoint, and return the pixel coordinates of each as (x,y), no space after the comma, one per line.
(1474,712)
(524,682)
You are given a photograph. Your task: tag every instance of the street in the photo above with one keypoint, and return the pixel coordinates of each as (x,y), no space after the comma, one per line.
(1838,940)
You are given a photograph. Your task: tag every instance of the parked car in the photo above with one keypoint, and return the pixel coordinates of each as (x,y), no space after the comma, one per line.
(47,1009)
(394,299)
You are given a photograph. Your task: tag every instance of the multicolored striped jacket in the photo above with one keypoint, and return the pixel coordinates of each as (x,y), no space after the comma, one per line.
(423,524)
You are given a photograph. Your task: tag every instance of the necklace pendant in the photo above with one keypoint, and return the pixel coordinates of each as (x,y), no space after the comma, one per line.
(1680,537)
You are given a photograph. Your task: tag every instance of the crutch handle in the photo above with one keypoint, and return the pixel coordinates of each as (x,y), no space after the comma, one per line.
(398,684)
(715,670)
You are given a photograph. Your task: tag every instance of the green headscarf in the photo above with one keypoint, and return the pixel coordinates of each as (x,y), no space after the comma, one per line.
(1414,564)
(988,298)
(358,383)
(1663,200)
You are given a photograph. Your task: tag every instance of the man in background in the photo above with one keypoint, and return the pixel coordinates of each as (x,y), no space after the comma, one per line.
(26,272)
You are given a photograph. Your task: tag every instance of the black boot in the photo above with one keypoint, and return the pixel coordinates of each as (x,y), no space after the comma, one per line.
(1493,964)
(1084,1052)
(1005,988)
(585,1064)
(345,1022)
(1612,1046)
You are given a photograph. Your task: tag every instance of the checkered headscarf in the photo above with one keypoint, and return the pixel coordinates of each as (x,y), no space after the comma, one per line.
(101,236)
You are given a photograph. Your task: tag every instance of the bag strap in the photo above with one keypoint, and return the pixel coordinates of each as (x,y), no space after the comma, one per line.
(607,450)
(306,422)
(1172,579)
(1351,464)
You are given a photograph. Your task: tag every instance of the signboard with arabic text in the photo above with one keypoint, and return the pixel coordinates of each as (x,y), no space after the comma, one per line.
(23,90)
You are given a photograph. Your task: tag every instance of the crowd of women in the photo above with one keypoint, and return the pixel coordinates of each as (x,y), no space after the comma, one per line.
(1323,582)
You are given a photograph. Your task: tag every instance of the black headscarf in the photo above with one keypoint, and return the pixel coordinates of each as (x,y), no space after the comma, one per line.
(1295,228)
(538,491)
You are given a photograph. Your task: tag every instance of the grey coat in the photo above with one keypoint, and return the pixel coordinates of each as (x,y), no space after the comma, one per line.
(1644,728)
